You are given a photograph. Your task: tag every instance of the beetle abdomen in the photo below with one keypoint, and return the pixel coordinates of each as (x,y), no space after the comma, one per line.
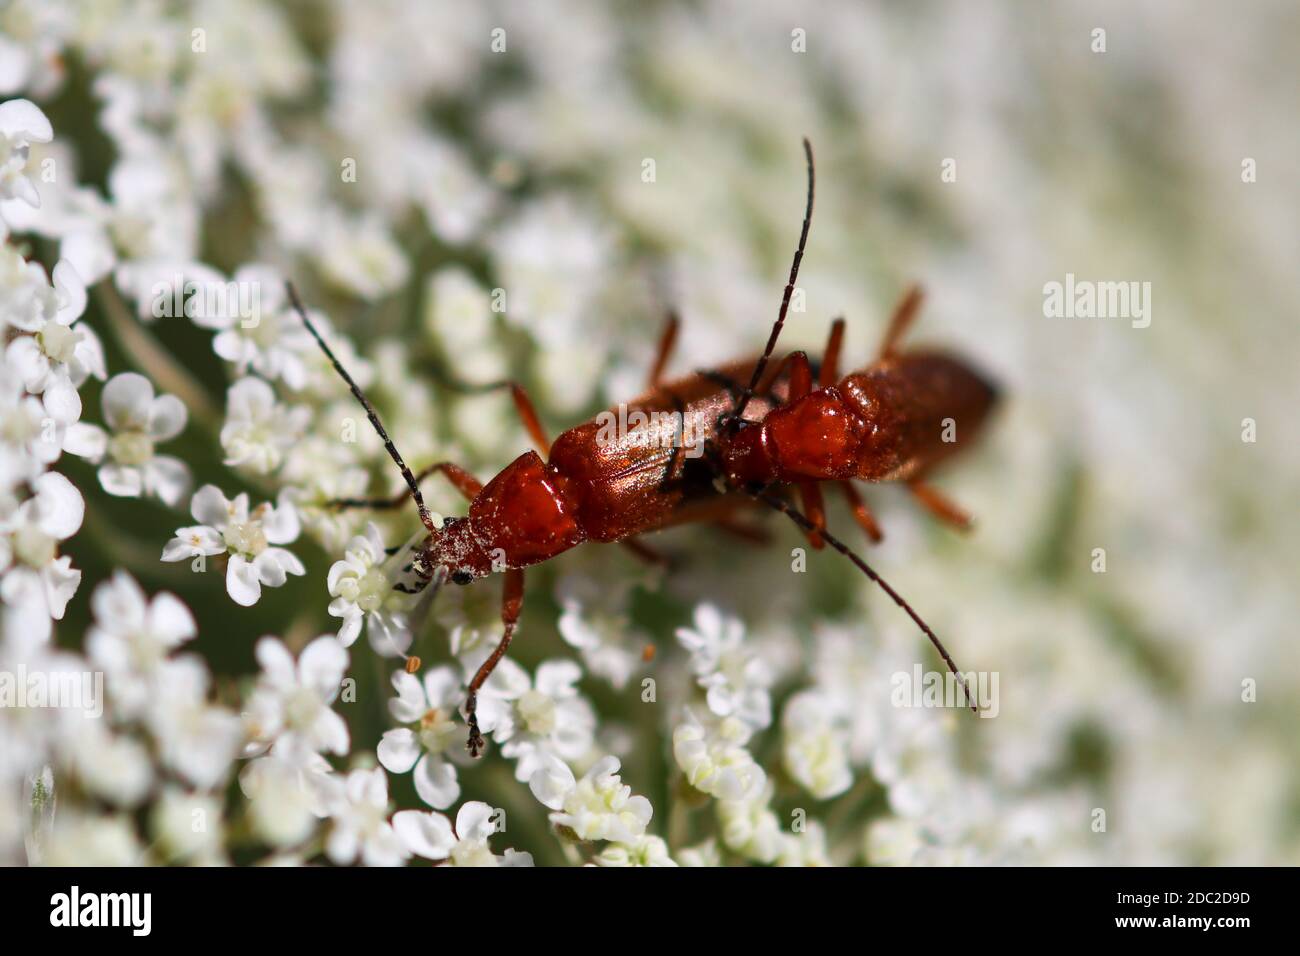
(920,407)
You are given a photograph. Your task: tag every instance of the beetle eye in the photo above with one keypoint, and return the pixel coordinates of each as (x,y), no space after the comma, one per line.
(461,577)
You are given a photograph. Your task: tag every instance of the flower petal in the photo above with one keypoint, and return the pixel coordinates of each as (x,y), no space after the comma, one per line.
(436,783)
(552,783)
(61,508)
(269,570)
(330,733)
(277,665)
(474,821)
(424,834)
(166,417)
(281,524)
(124,481)
(170,620)
(24,120)
(321,666)
(126,400)
(398,750)
(85,441)
(61,398)
(242,581)
(210,507)
(71,292)
(168,478)
(410,704)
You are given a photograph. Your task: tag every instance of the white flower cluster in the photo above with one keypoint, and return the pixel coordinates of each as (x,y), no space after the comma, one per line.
(529,212)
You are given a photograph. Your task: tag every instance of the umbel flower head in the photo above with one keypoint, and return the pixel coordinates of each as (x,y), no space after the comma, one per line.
(507,235)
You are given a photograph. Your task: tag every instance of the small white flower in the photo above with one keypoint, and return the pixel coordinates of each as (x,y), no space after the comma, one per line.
(195,739)
(814,750)
(188,826)
(320,471)
(78,838)
(454,199)
(112,766)
(228,527)
(26,297)
(553,257)
(284,800)
(363,591)
(137,420)
(804,849)
(132,636)
(648,850)
(271,340)
(593,622)
(258,429)
(21,124)
(41,582)
(597,807)
(702,854)
(358,807)
(432,836)
(896,841)
(290,709)
(751,828)
(432,708)
(28,432)
(360,256)
(472,619)
(735,679)
(458,314)
(58,356)
(715,759)
(537,719)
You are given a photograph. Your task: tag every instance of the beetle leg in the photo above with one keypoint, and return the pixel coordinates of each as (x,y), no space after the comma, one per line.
(465,483)
(861,513)
(512,601)
(523,404)
(815,509)
(667,340)
(643,552)
(800,374)
(679,446)
(750,533)
(809,493)
(938,504)
(528,415)
(830,370)
(904,314)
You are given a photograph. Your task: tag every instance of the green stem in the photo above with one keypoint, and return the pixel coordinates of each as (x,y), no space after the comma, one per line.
(148,354)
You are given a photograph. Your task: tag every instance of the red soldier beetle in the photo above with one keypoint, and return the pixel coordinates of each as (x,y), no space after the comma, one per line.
(879,424)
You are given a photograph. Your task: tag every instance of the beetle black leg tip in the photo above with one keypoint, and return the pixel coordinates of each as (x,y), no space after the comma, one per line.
(475,744)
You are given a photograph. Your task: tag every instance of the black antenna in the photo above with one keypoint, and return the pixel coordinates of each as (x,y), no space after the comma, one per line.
(761,367)
(370,409)
(780,504)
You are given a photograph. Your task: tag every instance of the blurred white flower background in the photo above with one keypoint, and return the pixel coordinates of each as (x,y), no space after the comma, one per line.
(494,189)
